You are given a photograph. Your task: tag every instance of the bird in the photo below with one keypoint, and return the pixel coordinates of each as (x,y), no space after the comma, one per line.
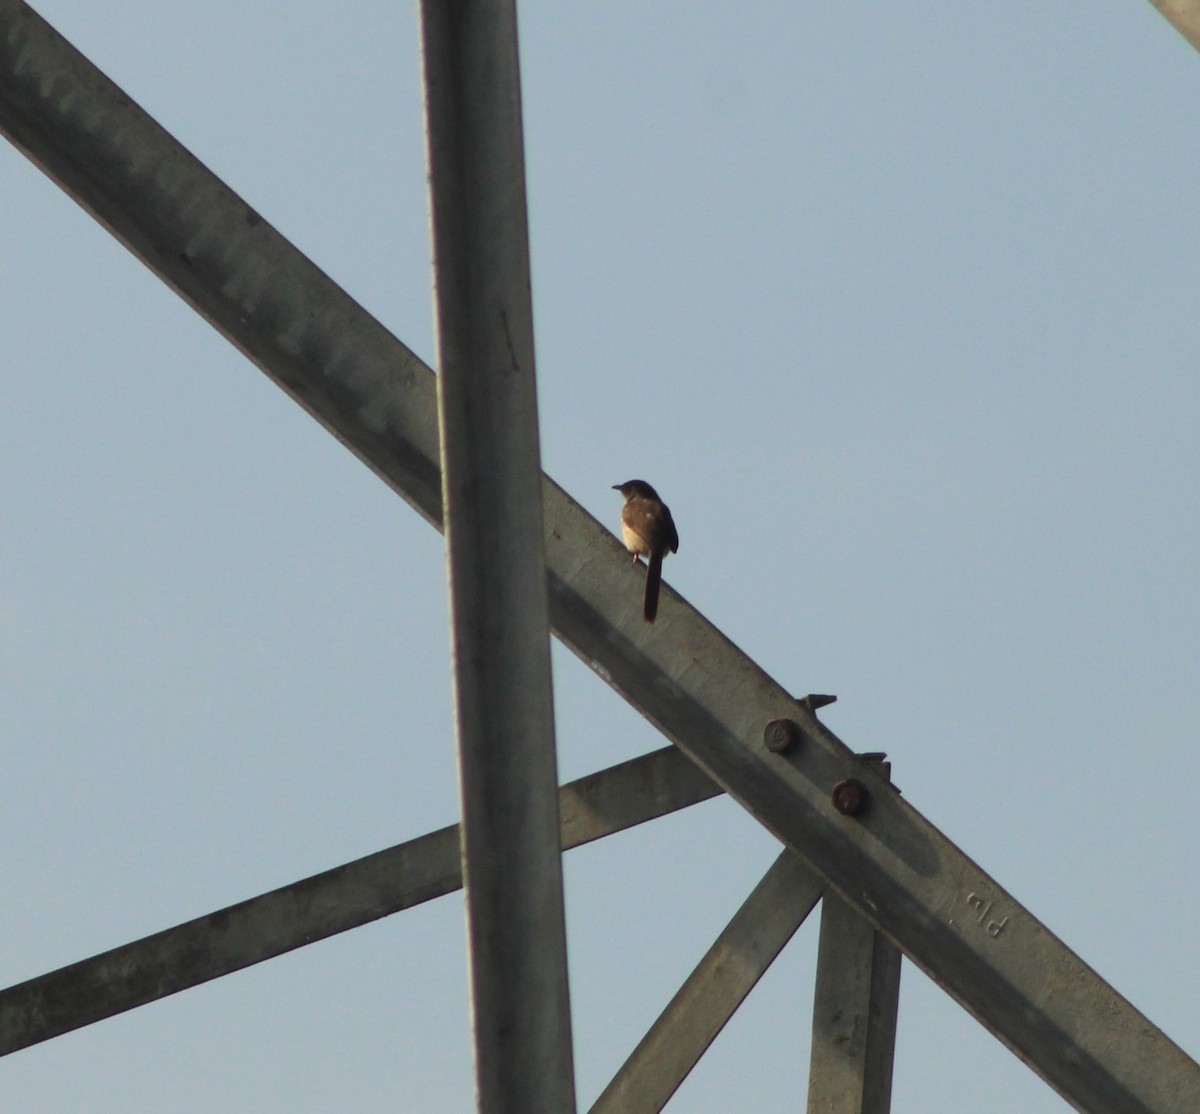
(648,530)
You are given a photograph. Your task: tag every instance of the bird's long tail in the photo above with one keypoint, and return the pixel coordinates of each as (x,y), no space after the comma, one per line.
(653,580)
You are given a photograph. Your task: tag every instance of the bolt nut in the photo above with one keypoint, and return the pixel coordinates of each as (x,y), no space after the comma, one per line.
(849,797)
(781,735)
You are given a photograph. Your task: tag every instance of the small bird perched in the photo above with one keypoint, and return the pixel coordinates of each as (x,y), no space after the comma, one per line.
(648,531)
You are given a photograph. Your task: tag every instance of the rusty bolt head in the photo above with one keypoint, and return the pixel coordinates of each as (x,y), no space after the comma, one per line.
(849,797)
(780,735)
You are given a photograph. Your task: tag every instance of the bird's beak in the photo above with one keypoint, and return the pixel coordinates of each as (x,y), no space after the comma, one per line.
(616,487)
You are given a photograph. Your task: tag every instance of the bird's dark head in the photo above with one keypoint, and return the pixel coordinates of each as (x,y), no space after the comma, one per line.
(630,488)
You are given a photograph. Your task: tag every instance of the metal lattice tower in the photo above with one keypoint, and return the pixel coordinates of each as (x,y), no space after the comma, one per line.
(890,884)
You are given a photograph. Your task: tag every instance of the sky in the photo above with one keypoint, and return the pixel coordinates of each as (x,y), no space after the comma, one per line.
(897,307)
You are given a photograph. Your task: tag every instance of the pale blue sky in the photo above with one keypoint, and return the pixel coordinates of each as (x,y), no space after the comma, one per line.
(908,293)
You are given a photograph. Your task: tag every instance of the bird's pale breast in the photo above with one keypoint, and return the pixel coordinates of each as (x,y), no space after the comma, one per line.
(634,541)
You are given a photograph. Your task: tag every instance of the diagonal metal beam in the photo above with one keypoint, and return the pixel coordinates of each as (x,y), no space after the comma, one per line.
(217,253)
(747,946)
(888,862)
(322,906)
(1184,16)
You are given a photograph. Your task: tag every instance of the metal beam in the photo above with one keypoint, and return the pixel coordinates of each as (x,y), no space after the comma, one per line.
(491,493)
(1184,16)
(888,862)
(719,984)
(854,1015)
(322,906)
(221,256)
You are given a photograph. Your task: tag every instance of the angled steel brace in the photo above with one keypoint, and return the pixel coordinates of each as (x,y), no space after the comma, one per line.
(1184,16)
(887,860)
(719,984)
(322,906)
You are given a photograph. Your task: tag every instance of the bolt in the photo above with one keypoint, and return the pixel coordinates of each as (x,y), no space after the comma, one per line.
(780,735)
(849,797)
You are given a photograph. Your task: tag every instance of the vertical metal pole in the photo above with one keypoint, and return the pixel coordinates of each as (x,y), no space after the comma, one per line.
(854,1015)
(492,491)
